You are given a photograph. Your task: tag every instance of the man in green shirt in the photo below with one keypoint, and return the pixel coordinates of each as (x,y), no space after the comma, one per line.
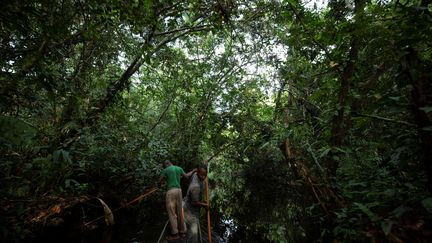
(173,198)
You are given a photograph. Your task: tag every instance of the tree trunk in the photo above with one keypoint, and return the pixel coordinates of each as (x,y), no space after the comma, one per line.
(421,78)
(340,120)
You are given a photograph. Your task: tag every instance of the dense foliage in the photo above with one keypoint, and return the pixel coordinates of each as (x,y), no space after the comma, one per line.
(315,119)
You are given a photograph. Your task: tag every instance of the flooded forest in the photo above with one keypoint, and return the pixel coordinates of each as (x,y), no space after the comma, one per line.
(287,120)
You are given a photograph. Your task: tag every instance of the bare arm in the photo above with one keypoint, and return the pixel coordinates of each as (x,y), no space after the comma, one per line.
(189,174)
(161,181)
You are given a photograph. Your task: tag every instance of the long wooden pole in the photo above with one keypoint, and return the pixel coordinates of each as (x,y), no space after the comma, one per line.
(208,212)
(127,204)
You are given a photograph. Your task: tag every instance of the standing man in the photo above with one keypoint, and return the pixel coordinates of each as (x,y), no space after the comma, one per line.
(193,203)
(173,198)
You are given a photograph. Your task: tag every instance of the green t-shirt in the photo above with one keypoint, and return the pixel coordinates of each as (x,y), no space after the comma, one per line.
(172,174)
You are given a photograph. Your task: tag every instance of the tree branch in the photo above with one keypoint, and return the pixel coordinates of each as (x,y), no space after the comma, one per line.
(355,114)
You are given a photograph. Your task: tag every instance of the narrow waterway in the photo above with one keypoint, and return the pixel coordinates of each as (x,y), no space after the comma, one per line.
(142,224)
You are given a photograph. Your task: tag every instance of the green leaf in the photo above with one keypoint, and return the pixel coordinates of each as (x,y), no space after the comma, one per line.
(386,226)
(61,156)
(325,152)
(399,211)
(340,150)
(69,181)
(395,98)
(56,155)
(427,204)
(186,18)
(428,128)
(367,211)
(426,109)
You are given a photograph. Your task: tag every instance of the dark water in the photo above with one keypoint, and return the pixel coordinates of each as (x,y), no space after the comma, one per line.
(149,230)
(113,234)
(134,231)
(139,224)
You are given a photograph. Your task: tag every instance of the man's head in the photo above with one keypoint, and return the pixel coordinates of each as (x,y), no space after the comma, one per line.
(202,172)
(167,163)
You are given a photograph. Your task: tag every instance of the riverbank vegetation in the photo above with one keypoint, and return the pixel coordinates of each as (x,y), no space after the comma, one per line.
(315,117)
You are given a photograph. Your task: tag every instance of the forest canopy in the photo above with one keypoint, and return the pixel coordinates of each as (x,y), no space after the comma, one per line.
(314,116)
